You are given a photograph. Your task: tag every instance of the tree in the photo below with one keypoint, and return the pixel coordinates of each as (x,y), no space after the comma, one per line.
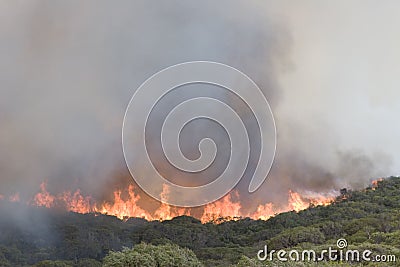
(49,263)
(88,263)
(146,255)
(247,262)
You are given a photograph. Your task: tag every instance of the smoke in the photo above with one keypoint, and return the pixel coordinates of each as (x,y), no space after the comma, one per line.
(68,70)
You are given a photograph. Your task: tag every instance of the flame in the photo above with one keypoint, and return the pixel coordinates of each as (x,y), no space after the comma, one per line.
(76,202)
(119,207)
(14,198)
(224,209)
(299,202)
(125,208)
(44,199)
(296,203)
(165,211)
(220,210)
(264,212)
(375,183)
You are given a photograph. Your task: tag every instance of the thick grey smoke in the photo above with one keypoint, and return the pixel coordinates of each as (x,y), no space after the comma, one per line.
(68,71)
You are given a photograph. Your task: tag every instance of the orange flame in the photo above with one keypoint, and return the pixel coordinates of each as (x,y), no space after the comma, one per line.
(76,202)
(296,203)
(299,202)
(167,212)
(224,209)
(125,208)
(375,183)
(263,212)
(119,207)
(44,199)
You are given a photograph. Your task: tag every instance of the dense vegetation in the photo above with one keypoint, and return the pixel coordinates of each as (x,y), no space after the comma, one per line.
(152,256)
(41,237)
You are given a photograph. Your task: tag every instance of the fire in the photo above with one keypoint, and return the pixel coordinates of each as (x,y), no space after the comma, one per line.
(44,199)
(76,202)
(299,202)
(119,207)
(224,209)
(296,203)
(84,204)
(264,212)
(14,198)
(124,208)
(165,211)
(375,183)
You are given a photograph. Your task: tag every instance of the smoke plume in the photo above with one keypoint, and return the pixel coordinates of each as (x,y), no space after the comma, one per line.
(68,71)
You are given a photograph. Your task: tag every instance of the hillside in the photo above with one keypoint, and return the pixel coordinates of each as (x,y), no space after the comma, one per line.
(369,218)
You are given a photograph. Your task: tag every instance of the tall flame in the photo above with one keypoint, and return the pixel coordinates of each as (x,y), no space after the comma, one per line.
(296,203)
(165,211)
(264,212)
(226,208)
(44,199)
(124,208)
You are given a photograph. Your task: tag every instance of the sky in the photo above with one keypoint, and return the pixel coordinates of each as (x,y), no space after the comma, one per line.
(330,71)
(345,69)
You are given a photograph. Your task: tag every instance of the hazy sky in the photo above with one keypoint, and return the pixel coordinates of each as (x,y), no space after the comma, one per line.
(329,69)
(345,75)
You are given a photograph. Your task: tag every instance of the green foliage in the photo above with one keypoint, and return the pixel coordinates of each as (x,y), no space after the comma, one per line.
(49,263)
(295,236)
(368,219)
(129,258)
(88,263)
(247,262)
(146,255)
